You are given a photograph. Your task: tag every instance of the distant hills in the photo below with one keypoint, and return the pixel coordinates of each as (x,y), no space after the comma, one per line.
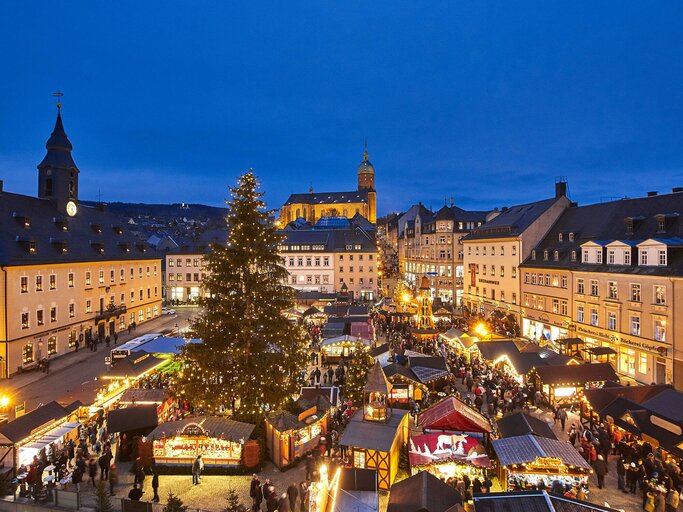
(165,212)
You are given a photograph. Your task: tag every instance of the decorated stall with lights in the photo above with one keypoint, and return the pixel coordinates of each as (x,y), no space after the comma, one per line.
(526,460)
(454,415)
(460,341)
(341,346)
(564,384)
(220,441)
(46,429)
(376,433)
(448,455)
(405,385)
(290,436)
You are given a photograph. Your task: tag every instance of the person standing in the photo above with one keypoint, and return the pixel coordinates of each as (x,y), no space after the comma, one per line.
(562,416)
(283,503)
(304,490)
(621,475)
(103,462)
(92,471)
(600,468)
(197,467)
(255,493)
(672,499)
(113,479)
(155,487)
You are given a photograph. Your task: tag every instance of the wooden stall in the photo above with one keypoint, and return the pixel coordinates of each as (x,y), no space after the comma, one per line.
(404,384)
(376,434)
(341,346)
(460,341)
(563,384)
(454,415)
(526,460)
(218,440)
(448,455)
(290,436)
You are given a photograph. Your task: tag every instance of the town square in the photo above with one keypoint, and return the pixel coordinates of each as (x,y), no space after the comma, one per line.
(341,258)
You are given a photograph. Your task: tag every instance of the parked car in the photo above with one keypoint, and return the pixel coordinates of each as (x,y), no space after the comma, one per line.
(167,311)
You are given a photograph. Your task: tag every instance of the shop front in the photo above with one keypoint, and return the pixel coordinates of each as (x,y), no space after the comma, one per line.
(218,440)
(524,461)
(544,327)
(448,455)
(340,347)
(290,437)
(643,360)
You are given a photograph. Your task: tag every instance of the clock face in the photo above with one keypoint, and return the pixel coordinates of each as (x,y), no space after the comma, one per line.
(71,208)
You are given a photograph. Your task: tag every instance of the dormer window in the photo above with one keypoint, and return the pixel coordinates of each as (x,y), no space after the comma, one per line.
(125,247)
(545,254)
(556,255)
(98,246)
(60,245)
(141,247)
(585,255)
(573,255)
(533,254)
(23,220)
(571,237)
(598,256)
(661,257)
(97,228)
(661,224)
(643,256)
(28,244)
(611,256)
(559,237)
(61,223)
(628,221)
(118,230)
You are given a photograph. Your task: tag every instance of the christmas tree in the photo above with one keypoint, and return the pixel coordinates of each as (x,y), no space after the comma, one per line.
(251,356)
(174,504)
(233,502)
(102,499)
(357,373)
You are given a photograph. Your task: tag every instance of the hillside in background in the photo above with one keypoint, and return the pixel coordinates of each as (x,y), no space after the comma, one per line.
(165,212)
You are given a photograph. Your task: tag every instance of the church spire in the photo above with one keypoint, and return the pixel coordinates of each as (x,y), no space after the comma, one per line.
(365,151)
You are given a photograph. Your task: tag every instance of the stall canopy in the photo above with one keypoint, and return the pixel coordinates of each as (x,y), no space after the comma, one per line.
(345,340)
(599,398)
(428,368)
(453,414)
(521,362)
(143,396)
(214,426)
(331,393)
(520,424)
(138,363)
(423,492)
(574,374)
(526,449)
(439,447)
(601,351)
(357,490)
(372,435)
(131,419)
(533,501)
(166,345)
(21,428)
(455,335)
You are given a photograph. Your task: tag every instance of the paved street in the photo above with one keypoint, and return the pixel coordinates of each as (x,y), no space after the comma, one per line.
(72,376)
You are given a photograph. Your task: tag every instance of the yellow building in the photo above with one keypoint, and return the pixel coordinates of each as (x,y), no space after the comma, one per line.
(314,205)
(68,272)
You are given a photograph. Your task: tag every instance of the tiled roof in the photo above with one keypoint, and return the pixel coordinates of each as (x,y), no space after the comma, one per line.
(576,373)
(354,196)
(422,491)
(525,449)
(214,425)
(514,220)
(372,435)
(520,423)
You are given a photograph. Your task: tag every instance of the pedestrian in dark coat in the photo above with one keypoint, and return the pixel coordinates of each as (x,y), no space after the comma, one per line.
(255,493)
(155,487)
(292,494)
(283,503)
(92,471)
(600,468)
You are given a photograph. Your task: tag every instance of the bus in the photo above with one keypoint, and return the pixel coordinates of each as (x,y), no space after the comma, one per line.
(123,351)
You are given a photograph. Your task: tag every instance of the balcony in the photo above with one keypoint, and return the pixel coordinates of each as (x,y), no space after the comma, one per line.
(111,311)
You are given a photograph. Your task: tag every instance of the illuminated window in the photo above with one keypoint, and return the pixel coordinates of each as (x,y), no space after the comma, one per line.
(660,295)
(24,321)
(101,278)
(642,363)
(359,458)
(52,345)
(27,353)
(39,283)
(23,284)
(53,282)
(88,279)
(70,280)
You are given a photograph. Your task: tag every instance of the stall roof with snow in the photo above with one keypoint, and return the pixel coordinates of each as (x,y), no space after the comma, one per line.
(455,415)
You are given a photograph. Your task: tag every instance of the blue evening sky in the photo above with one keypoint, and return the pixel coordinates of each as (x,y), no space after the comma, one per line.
(484,101)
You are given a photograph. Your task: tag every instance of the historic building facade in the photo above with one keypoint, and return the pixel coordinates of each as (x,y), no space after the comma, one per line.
(68,272)
(333,253)
(314,205)
(611,274)
(430,244)
(494,251)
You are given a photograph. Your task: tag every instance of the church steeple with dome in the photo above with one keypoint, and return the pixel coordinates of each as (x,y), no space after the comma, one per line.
(366,172)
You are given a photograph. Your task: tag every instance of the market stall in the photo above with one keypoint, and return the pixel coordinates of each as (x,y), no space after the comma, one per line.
(217,439)
(453,415)
(46,428)
(460,341)
(404,384)
(423,492)
(528,459)
(564,383)
(448,455)
(341,346)
(290,436)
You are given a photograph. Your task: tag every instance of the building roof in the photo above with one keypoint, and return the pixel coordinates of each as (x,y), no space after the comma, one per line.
(453,414)
(22,427)
(377,381)
(393,369)
(576,373)
(137,363)
(134,418)
(599,398)
(372,435)
(359,234)
(142,395)
(525,449)
(642,212)
(213,426)
(513,221)
(533,501)
(357,490)
(520,424)
(422,492)
(331,393)
(354,196)
(668,403)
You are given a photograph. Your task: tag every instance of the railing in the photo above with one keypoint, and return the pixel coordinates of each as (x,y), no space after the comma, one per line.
(111,312)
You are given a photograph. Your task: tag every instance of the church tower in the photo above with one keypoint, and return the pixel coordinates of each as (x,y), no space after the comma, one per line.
(366,181)
(57,173)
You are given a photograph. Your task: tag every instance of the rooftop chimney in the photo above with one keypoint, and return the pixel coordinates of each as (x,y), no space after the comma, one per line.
(0,186)
(561,188)
(652,193)
(675,190)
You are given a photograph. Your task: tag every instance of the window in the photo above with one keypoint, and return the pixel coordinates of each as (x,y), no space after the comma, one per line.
(156,271)
(556,255)
(53,282)
(573,255)
(40,319)
(533,254)
(308,261)
(359,458)
(533,278)
(612,289)
(559,237)
(526,277)
(594,316)
(317,261)
(635,292)
(350,269)
(598,256)
(662,257)
(300,261)
(39,283)
(585,256)
(627,257)
(178,277)
(27,353)
(70,279)
(171,277)
(571,237)
(545,254)
(635,325)
(612,321)
(140,268)
(132,296)
(610,256)
(643,257)
(642,363)
(563,307)
(101,277)
(502,271)
(514,272)
(88,306)
(514,298)
(24,321)
(564,281)
(52,345)
(142,293)
(660,329)
(326,261)
(556,305)
(72,310)
(514,250)
(132,275)
(53,314)
(23,284)
(141,315)
(660,295)
(580,286)
(72,337)
(493,270)
(178,262)
(579,314)
(594,287)
(171,262)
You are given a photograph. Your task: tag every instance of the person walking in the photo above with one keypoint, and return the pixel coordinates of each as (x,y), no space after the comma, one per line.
(103,462)
(672,499)
(197,467)
(255,493)
(562,416)
(155,487)
(600,468)
(140,474)
(292,494)
(621,475)
(304,492)
(92,471)
(283,503)
(113,479)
